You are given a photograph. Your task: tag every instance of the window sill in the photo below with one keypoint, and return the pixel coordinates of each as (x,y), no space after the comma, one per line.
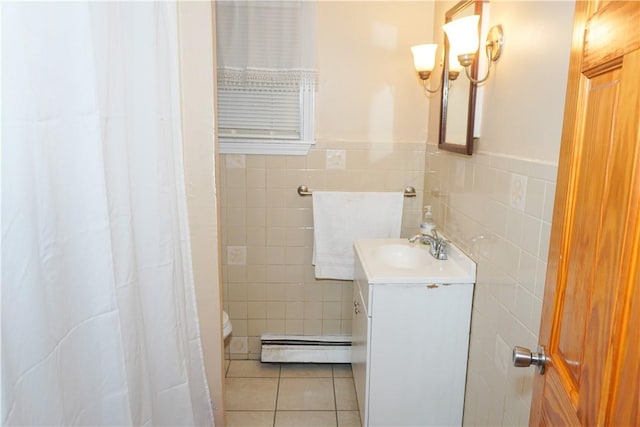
(297,148)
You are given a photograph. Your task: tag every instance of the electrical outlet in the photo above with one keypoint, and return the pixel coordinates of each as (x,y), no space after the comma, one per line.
(518,191)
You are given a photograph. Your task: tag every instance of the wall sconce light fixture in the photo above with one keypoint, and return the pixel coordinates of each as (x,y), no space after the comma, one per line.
(424,59)
(464,41)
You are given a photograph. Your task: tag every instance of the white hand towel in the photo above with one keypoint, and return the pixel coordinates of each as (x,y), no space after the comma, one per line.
(339,218)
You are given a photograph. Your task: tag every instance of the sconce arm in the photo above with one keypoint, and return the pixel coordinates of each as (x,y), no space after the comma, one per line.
(493,50)
(478,81)
(426,88)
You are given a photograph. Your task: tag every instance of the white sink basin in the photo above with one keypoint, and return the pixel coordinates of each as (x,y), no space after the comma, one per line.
(400,255)
(398,261)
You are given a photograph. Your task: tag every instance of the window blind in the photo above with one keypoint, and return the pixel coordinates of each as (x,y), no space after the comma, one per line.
(259,113)
(266,75)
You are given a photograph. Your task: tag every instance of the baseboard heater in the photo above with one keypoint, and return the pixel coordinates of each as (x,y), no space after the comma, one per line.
(306,349)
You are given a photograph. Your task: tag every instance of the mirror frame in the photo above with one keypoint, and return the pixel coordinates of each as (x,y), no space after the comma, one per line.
(467,147)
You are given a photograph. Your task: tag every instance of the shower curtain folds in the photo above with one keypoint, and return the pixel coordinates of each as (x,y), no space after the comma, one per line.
(99,323)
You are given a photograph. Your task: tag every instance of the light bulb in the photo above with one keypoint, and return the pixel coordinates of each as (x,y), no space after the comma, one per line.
(424,57)
(463,37)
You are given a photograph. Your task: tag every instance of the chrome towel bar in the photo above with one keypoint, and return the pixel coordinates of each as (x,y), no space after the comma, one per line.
(303,190)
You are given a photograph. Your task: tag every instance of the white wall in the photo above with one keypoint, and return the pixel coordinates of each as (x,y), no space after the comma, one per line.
(524,99)
(497,204)
(368,89)
(197,96)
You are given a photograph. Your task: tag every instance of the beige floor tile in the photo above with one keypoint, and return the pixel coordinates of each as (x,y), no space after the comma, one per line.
(251,394)
(345,394)
(253,369)
(305,419)
(306,394)
(306,370)
(349,419)
(226,366)
(249,418)
(342,370)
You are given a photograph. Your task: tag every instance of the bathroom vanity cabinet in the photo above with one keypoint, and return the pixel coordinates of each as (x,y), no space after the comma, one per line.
(410,338)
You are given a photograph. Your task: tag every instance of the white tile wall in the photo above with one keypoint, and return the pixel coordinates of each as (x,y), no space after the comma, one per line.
(496,208)
(267,234)
(500,213)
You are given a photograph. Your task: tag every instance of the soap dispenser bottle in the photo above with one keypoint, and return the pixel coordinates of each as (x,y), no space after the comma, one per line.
(427,225)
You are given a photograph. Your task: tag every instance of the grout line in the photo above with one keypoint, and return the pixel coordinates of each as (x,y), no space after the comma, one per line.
(275,409)
(279,377)
(335,398)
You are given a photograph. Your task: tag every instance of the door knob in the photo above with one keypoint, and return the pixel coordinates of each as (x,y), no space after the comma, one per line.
(523,357)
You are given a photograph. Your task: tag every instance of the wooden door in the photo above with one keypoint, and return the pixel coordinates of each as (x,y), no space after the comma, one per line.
(591,311)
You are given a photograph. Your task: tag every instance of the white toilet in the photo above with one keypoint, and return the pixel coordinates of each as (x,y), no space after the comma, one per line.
(226,325)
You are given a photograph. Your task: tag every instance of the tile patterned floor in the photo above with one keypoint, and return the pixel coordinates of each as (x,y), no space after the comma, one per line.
(286,394)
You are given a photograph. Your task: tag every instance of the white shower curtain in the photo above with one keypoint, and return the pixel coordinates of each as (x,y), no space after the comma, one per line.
(99,323)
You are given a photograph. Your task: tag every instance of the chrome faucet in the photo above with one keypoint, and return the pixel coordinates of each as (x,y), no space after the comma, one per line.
(437,245)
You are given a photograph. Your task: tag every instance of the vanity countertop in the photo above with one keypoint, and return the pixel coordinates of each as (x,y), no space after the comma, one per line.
(395,261)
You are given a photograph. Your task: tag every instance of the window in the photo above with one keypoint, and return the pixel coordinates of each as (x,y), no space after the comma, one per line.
(266,76)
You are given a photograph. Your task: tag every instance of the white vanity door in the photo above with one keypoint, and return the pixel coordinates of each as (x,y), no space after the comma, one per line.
(419,337)
(359,335)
